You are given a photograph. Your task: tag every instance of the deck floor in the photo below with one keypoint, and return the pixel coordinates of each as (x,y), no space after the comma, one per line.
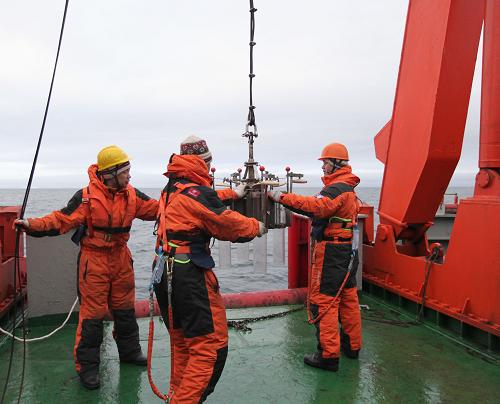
(398,364)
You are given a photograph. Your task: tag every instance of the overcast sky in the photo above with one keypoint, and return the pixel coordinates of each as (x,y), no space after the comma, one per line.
(145,74)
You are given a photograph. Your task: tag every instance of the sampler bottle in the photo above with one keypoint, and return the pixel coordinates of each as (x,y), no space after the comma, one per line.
(355,237)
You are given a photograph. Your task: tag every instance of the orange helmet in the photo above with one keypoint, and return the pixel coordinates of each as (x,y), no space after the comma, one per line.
(334,151)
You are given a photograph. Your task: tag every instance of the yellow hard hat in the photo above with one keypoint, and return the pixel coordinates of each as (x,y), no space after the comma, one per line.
(111,156)
(334,151)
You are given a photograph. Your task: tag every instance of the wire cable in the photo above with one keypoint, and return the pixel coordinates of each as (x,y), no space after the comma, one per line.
(251,108)
(17,272)
(435,255)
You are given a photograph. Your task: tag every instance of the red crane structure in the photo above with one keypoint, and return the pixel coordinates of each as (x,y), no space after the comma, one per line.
(420,147)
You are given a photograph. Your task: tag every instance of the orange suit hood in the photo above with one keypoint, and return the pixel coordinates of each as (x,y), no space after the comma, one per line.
(344,175)
(94,179)
(190,167)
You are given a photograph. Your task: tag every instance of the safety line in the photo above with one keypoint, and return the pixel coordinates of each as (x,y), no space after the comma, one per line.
(45,336)
(16,269)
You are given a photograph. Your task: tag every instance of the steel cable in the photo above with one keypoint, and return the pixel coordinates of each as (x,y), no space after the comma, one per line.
(430,260)
(17,271)
(251,108)
(241,324)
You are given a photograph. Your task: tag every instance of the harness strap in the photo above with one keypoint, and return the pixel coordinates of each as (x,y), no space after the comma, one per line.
(103,235)
(162,225)
(113,230)
(345,223)
(180,236)
(106,233)
(338,239)
(129,214)
(88,217)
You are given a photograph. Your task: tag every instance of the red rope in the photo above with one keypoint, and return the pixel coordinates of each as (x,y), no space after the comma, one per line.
(310,320)
(156,390)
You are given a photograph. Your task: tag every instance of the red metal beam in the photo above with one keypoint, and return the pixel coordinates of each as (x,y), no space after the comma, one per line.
(425,140)
(489,143)
(430,109)
(466,285)
(488,178)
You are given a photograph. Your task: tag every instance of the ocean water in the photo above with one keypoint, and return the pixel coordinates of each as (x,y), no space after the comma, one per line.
(239,278)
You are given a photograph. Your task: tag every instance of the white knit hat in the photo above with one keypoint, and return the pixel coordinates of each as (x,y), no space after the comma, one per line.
(194,145)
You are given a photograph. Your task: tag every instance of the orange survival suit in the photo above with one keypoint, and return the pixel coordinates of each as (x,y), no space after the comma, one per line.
(105,265)
(190,213)
(333,211)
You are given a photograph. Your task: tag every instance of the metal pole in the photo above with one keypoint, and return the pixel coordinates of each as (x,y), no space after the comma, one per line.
(278,247)
(224,254)
(489,144)
(260,254)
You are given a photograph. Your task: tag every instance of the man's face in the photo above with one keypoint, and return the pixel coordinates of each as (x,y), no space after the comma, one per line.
(123,178)
(327,167)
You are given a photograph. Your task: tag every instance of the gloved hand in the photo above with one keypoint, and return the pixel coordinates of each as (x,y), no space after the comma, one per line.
(275,195)
(241,190)
(262,229)
(22,224)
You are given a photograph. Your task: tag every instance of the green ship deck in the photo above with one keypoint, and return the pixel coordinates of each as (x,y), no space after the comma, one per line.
(399,362)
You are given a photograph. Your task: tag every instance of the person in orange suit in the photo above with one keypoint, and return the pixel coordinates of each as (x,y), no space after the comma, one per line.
(190,214)
(103,213)
(332,292)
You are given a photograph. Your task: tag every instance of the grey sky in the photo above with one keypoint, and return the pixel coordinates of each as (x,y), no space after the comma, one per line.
(145,74)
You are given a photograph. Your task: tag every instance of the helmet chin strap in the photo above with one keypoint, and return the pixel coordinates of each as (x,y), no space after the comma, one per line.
(112,182)
(335,165)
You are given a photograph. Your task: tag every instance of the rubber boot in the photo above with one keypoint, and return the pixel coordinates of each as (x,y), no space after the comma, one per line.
(345,346)
(88,353)
(126,334)
(90,380)
(316,360)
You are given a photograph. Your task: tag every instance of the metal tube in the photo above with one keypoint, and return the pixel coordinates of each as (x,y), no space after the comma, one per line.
(260,254)
(489,143)
(240,300)
(278,247)
(224,254)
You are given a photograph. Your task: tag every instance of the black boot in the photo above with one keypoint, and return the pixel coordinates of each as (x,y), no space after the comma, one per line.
(88,353)
(345,346)
(138,359)
(126,334)
(90,379)
(316,360)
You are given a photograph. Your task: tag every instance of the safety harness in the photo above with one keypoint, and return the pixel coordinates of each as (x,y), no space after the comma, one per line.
(319,226)
(161,222)
(156,278)
(107,233)
(173,253)
(317,234)
(88,216)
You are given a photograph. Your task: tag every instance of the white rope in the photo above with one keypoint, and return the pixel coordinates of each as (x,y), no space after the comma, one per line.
(45,336)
